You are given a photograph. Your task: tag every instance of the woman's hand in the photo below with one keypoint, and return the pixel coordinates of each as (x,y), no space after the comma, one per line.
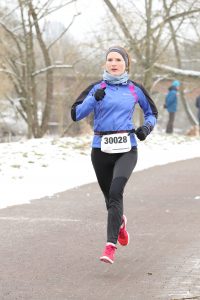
(99,94)
(142,132)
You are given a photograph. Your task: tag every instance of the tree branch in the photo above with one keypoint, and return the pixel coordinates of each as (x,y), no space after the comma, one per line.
(48,11)
(51,67)
(174,17)
(177,71)
(66,29)
(20,111)
(124,29)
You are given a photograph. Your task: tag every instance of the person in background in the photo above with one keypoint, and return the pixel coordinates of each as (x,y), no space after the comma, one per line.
(198,107)
(171,103)
(114,146)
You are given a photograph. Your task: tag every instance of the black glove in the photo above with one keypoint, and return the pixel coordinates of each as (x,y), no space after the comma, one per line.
(142,132)
(99,94)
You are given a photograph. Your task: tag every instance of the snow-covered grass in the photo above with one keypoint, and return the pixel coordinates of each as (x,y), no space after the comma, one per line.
(42,167)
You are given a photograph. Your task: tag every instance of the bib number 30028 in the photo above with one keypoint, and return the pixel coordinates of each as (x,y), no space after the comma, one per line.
(116,143)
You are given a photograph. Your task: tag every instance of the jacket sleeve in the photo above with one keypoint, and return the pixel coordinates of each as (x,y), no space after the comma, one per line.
(84,104)
(148,106)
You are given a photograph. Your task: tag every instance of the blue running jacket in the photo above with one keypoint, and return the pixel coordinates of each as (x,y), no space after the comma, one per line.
(115,111)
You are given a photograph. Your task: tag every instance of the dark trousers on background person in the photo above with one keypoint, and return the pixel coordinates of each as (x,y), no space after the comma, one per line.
(198,115)
(112,172)
(170,124)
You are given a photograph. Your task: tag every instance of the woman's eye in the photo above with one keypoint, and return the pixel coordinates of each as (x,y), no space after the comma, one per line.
(111,60)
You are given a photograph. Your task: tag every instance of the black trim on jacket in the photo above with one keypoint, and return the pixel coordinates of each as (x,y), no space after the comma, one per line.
(151,102)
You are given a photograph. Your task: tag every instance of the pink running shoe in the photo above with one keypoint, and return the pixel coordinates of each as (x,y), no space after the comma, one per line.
(123,237)
(108,254)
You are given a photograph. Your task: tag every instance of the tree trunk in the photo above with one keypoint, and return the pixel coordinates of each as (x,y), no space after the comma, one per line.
(179,63)
(49,75)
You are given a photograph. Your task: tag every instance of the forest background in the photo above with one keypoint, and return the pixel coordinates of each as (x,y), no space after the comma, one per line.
(50,50)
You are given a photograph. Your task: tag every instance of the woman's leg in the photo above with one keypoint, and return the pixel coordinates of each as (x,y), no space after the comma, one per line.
(103,167)
(113,172)
(122,170)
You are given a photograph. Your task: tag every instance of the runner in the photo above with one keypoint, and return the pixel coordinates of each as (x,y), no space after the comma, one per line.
(114,146)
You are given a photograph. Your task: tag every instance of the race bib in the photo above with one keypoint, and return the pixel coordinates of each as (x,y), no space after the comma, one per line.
(116,143)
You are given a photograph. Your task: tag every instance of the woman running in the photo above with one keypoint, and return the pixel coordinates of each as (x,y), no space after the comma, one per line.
(114,146)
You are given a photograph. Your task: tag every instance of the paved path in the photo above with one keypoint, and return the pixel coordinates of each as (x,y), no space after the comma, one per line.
(49,249)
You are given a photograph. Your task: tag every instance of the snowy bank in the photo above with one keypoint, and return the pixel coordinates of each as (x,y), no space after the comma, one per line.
(43,167)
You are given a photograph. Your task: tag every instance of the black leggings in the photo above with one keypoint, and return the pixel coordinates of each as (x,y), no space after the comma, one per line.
(113,172)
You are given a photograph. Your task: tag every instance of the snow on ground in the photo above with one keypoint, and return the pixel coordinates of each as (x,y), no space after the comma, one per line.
(43,167)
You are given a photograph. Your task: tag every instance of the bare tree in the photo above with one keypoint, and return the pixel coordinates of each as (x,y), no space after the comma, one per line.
(153,40)
(28,55)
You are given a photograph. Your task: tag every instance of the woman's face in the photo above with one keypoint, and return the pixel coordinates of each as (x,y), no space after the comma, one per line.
(115,64)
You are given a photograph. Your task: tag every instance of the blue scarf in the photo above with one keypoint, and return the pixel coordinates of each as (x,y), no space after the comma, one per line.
(120,79)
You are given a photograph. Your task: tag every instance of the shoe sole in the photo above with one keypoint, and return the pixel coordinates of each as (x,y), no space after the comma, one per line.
(106,259)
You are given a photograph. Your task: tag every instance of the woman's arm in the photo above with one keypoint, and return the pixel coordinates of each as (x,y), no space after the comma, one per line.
(149,108)
(84,104)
